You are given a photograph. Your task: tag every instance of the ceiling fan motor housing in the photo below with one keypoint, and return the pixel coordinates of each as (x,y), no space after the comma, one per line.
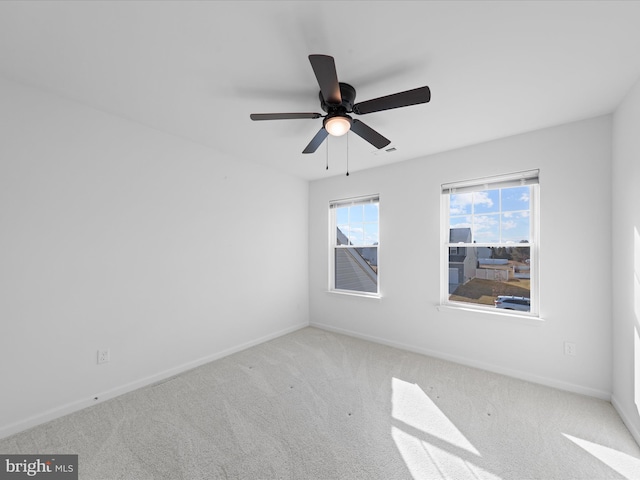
(348,94)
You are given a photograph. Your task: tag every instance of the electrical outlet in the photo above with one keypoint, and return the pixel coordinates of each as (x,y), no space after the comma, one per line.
(103,355)
(570,349)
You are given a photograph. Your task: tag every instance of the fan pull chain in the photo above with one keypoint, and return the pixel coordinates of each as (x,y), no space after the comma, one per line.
(347,154)
(327,155)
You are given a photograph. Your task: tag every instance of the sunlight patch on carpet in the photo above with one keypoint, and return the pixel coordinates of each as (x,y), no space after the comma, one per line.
(430,444)
(414,407)
(626,465)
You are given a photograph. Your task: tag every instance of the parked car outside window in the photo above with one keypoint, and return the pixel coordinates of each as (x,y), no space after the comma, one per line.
(511,302)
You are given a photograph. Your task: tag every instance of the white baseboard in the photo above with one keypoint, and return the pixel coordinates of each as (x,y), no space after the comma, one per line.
(626,419)
(79,404)
(549,382)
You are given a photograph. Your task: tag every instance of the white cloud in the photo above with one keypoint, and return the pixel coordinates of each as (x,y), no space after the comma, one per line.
(461,202)
(482,198)
(485,221)
(509,225)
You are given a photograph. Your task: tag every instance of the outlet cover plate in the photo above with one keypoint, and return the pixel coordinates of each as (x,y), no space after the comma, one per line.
(103,355)
(570,349)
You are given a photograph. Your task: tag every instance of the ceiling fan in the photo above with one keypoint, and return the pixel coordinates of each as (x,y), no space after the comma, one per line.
(336,99)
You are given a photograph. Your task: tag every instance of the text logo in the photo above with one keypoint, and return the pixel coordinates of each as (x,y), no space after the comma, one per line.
(45,467)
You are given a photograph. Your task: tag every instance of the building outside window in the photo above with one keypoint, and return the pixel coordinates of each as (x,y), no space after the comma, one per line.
(490,236)
(354,230)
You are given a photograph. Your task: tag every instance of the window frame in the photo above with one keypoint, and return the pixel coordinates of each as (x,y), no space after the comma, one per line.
(333,246)
(530,178)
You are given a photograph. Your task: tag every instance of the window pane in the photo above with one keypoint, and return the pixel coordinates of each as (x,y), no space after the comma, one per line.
(356,213)
(355,251)
(515,227)
(370,254)
(356,269)
(343,235)
(487,201)
(342,215)
(486,228)
(460,235)
(496,216)
(460,204)
(356,234)
(371,212)
(515,198)
(371,233)
(480,275)
(460,222)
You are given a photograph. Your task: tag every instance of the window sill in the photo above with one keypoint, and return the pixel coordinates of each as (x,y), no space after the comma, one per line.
(492,313)
(348,293)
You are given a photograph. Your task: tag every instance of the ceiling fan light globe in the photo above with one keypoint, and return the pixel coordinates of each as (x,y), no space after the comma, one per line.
(338,125)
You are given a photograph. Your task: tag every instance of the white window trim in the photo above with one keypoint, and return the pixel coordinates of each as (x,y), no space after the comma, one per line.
(530,177)
(332,245)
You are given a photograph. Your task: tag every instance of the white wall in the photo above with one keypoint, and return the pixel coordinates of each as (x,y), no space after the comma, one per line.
(626,261)
(116,235)
(575,176)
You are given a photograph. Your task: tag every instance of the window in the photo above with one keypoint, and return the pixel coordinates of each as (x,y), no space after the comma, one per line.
(354,245)
(490,237)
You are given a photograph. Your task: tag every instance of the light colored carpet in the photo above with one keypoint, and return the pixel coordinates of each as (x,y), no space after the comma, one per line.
(317,405)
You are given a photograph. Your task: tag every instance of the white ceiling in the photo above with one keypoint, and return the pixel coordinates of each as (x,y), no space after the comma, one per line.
(198,69)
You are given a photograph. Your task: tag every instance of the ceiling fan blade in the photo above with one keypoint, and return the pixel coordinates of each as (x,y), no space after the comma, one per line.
(397,100)
(316,141)
(283,116)
(369,134)
(324,68)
